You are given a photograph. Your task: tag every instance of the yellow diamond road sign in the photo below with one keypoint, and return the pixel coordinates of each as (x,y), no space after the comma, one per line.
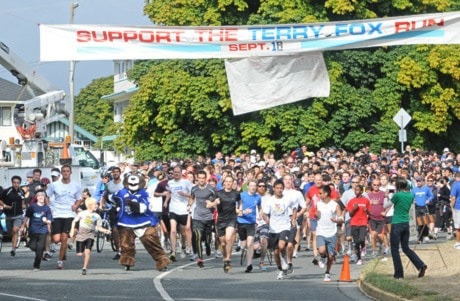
(402,118)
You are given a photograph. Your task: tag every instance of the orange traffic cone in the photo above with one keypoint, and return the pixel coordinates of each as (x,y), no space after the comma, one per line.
(345,274)
(65,151)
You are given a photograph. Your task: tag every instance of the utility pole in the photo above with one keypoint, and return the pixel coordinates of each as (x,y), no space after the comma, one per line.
(73,6)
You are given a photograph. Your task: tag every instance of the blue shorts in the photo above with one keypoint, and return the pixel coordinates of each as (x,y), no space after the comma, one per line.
(328,242)
(313,224)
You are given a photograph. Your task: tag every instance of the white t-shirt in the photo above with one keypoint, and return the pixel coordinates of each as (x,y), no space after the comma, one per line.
(63,197)
(155,203)
(178,203)
(279,210)
(296,196)
(326,227)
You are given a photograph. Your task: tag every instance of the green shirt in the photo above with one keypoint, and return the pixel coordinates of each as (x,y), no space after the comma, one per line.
(402,201)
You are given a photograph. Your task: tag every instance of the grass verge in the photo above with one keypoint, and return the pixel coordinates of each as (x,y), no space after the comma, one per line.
(401,288)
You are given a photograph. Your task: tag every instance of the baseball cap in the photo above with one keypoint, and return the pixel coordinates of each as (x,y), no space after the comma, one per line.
(446,150)
(30,174)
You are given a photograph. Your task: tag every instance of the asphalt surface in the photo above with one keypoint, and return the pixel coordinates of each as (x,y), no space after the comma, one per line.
(184,280)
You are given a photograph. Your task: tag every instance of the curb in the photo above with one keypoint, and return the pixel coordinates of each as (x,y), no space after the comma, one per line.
(377,293)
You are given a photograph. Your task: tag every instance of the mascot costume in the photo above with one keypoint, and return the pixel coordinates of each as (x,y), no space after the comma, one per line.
(136,220)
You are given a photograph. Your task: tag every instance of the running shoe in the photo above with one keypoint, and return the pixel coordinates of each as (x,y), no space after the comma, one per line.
(363,252)
(315,261)
(327,277)
(457,245)
(70,245)
(359,262)
(60,265)
(172,257)
(183,254)
(36,270)
(386,251)
(46,257)
(290,269)
(117,256)
(83,271)
(13,253)
(294,255)
(200,263)
(280,275)
(218,254)
(262,266)
(194,257)
(248,269)
(227,266)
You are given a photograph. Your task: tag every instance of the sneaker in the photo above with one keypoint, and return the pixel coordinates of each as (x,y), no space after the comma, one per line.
(363,252)
(13,253)
(284,264)
(359,262)
(227,266)
(386,251)
(182,254)
(426,239)
(70,245)
(262,266)
(457,245)
(172,257)
(322,262)
(294,255)
(208,249)
(354,258)
(36,269)
(117,256)
(327,277)
(422,270)
(248,269)
(218,254)
(83,271)
(374,254)
(46,257)
(200,263)
(188,251)
(53,248)
(237,249)
(280,275)
(60,265)
(127,267)
(315,261)
(290,269)
(194,257)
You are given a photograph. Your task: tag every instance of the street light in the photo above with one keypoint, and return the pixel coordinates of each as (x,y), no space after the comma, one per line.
(73,6)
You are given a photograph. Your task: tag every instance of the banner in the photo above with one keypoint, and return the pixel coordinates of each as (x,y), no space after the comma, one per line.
(259,83)
(103,42)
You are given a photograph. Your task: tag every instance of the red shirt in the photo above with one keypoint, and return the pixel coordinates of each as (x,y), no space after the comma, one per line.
(360,217)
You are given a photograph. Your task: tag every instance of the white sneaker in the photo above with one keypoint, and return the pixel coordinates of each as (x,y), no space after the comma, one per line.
(218,254)
(327,277)
(284,264)
(321,262)
(359,262)
(182,254)
(386,251)
(426,239)
(363,252)
(280,275)
(294,255)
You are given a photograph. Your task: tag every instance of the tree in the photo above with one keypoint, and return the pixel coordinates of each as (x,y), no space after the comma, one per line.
(92,112)
(183,108)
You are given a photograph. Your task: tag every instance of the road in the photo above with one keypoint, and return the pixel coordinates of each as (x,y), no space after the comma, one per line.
(106,280)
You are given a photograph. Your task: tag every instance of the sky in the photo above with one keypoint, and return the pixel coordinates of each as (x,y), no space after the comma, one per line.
(19,21)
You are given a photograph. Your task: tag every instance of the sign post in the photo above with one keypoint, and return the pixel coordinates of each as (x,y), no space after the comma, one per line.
(402,118)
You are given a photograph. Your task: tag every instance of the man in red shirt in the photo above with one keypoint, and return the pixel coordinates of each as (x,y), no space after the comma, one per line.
(359,208)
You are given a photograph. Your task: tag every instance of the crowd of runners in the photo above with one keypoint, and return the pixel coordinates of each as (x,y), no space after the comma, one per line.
(329,202)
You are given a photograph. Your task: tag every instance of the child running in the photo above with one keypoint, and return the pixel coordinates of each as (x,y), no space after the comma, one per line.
(38,218)
(90,221)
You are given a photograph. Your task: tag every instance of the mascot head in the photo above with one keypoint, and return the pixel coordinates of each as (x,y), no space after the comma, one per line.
(134,182)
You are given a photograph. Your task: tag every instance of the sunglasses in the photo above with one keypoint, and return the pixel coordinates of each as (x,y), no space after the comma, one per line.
(261,186)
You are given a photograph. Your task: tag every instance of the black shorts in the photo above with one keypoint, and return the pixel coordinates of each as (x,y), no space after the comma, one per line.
(245,230)
(224,224)
(203,226)
(274,238)
(61,225)
(180,219)
(377,226)
(82,245)
(359,233)
(292,235)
